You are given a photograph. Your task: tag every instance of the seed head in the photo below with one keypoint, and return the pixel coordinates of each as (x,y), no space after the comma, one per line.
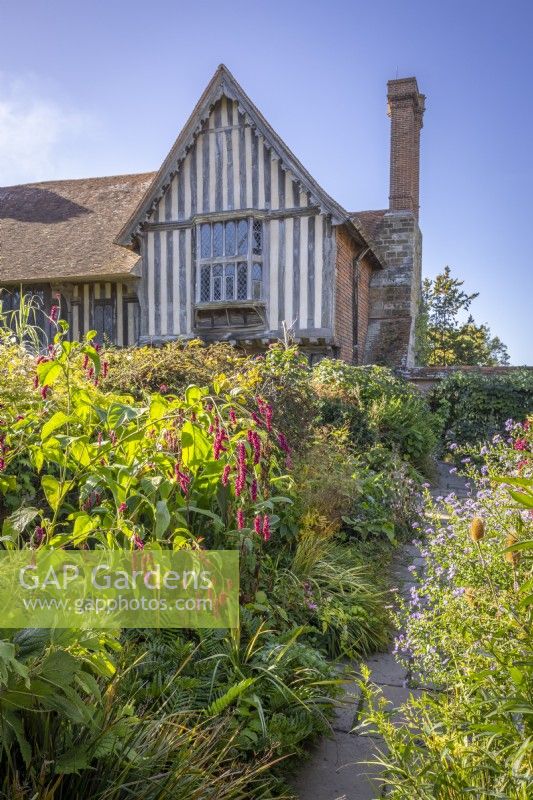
(477,529)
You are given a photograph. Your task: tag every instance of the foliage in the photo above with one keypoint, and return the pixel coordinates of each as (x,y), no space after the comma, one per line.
(442,338)
(472,407)
(368,495)
(328,586)
(376,407)
(468,632)
(280,376)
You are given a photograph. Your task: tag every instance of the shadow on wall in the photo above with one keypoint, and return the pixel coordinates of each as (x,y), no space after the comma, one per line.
(31,204)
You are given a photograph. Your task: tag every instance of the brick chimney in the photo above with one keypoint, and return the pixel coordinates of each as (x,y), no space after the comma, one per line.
(406,110)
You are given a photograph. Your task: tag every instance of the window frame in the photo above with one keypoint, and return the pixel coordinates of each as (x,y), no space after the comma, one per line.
(250,259)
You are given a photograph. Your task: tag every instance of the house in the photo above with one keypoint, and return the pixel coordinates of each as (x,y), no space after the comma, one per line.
(232,239)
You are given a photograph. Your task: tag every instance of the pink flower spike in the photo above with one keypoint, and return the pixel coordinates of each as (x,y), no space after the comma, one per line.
(232,416)
(253,490)
(54,313)
(44,392)
(137,542)
(266,528)
(225,475)
(257,524)
(122,508)
(240,519)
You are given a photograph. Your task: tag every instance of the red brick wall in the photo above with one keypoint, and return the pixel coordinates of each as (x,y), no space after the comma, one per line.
(347,251)
(363,305)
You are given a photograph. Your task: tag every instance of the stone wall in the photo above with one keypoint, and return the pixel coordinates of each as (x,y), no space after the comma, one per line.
(426,378)
(394,292)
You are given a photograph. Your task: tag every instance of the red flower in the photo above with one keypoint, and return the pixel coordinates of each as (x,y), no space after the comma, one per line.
(240,519)
(38,534)
(225,475)
(255,441)
(257,524)
(253,490)
(137,542)
(54,313)
(105,369)
(35,381)
(266,528)
(241,469)
(183,479)
(521,444)
(122,508)
(44,392)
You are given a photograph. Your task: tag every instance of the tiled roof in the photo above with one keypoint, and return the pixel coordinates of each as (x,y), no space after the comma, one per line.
(66,229)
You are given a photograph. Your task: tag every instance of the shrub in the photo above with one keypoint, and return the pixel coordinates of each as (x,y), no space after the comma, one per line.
(467,631)
(473,406)
(369,495)
(280,376)
(376,406)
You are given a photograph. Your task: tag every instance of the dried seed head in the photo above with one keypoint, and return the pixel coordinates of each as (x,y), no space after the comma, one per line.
(477,529)
(470,595)
(512,558)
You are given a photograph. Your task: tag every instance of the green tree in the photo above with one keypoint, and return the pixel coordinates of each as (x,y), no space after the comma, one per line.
(442,339)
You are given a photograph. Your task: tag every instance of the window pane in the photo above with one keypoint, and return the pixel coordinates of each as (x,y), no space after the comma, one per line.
(242,237)
(257,240)
(257,281)
(205,281)
(205,238)
(218,230)
(231,239)
(217,282)
(230,281)
(242,281)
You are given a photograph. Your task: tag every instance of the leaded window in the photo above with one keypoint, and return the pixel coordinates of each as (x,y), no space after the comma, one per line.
(230,263)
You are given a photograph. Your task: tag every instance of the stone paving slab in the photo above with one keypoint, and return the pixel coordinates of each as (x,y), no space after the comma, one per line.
(347,708)
(337,771)
(385,670)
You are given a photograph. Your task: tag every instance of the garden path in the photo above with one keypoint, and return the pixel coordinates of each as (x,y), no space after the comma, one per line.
(336,770)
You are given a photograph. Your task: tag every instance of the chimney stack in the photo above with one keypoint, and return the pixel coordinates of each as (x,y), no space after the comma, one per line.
(406,109)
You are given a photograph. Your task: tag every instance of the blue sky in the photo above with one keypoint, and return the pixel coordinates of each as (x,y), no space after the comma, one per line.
(104,88)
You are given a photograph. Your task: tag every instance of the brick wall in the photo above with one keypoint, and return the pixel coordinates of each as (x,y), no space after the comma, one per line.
(344,278)
(350,286)
(406,111)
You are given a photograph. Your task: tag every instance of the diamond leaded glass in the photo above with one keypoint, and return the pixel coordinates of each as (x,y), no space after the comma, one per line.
(205,241)
(218,232)
(257,237)
(242,237)
(231,239)
(242,281)
(217,282)
(205,281)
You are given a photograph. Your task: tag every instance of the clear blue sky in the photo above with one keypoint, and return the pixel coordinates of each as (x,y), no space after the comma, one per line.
(92,88)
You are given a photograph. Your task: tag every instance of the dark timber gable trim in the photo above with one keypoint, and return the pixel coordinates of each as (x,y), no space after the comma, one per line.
(223,83)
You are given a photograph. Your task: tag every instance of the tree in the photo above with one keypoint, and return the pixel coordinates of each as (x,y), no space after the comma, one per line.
(442,339)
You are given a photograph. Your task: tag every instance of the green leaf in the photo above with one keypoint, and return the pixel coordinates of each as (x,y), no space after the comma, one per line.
(196,448)
(73,760)
(193,395)
(524,499)
(56,421)
(49,372)
(54,491)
